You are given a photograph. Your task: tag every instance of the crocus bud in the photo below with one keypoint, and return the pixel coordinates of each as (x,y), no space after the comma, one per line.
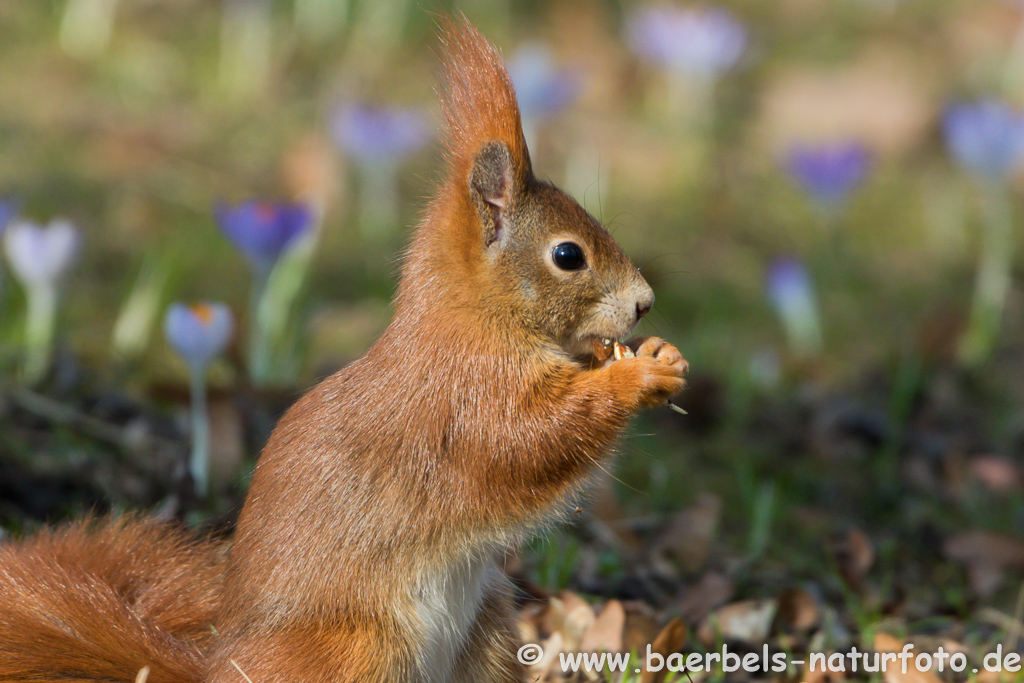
(986,137)
(703,43)
(40,256)
(828,172)
(791,292)
(263,231)
(379,135)
(199,332)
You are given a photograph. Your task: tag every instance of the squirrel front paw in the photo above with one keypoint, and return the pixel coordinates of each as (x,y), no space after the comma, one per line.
(655,372)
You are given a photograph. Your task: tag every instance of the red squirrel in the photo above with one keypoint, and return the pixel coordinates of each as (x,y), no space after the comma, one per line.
(369,545)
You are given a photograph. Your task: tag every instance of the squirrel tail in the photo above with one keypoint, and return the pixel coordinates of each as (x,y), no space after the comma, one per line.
(104,600)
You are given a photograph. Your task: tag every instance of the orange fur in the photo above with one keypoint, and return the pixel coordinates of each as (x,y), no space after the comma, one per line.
(101,600)
(478,100)
(369,545)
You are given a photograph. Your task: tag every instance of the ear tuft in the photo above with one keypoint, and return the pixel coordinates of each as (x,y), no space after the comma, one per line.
(478,100)
(492,182)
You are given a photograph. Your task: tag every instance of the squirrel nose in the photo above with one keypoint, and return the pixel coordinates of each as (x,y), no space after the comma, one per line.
(644,303)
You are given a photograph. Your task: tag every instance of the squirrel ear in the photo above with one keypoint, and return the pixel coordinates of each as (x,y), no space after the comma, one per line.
(491,182)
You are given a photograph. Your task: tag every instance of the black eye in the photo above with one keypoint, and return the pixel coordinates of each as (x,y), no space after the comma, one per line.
(568,256)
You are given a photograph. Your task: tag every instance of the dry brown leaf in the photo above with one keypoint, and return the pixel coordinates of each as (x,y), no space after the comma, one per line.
(798,611)
(894,673)
(820,675)
(641,627)
(532,614)
(986,676)
(528,632)
(552,620)
(748,621)
(698,601)
(579,616)
(887,643)
(671,639)
(986,557)
(854,554)
(552,647)
(605,633)
(572,601)
(997,473)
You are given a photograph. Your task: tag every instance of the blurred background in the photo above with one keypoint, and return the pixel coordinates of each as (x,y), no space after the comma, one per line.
(825,197)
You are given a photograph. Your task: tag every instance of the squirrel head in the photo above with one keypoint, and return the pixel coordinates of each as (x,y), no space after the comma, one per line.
(523,251)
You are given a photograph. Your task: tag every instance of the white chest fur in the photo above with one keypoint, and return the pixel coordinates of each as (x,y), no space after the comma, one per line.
(447,604)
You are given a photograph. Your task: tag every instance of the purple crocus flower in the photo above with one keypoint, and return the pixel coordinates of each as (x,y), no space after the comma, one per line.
(541,87)
(41,256)
(828,172)
(7,211)
(263,231)
(379,135)
(701,42)
(986,137)
(791,292)
(199,332)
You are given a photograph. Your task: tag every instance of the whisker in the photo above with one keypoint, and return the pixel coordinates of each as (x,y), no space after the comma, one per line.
(652,260)
(676,272)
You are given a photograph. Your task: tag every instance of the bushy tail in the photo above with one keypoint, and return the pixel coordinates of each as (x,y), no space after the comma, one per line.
(101,600)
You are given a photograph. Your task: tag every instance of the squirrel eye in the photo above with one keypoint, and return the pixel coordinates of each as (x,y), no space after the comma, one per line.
(568,256)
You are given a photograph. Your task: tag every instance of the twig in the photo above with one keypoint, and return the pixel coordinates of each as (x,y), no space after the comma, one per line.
(69,416)
(1000,619)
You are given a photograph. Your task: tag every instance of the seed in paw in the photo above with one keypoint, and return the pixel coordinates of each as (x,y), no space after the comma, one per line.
(623,351)
(602,350)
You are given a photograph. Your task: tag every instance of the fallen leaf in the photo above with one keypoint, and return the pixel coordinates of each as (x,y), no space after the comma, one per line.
(641,627)
(552,647)
(671,639)
(820,675)
(854,554)
(579,617)
(748,621)
(986,555)
(798,611)
(698,600)
(605,633)
(986,676)
(552,620)
(995,472)
(894,673)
